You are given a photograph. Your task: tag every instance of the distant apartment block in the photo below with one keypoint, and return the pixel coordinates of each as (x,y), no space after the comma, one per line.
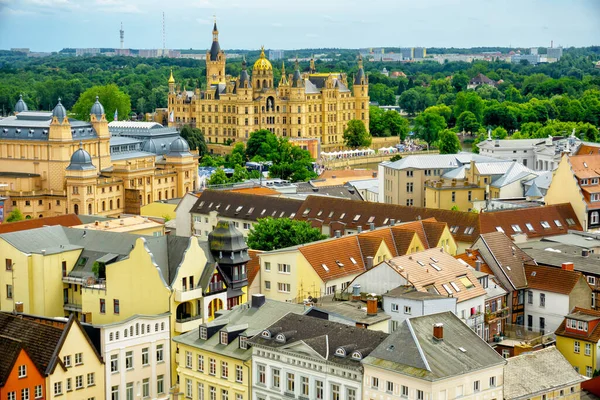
(554,53)
(530,58)
(276,55)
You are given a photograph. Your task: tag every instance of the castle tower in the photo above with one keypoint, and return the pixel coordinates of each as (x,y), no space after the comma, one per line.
(215,60)
(180,159)
(262,73)
(80,174)
(312,68)
(20,106)
(100,125)
(171,83)
(361,94)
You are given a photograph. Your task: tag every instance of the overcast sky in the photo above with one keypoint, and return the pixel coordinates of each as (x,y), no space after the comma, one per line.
(50,25)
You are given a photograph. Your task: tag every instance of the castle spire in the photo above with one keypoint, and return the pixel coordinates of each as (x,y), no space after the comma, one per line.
(171,79)
(283,80)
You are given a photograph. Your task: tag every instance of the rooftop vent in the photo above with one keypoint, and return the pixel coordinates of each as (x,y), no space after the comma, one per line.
(438,331)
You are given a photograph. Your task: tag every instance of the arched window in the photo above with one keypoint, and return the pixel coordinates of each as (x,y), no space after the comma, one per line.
(110,204)
(118,203)
(76,209)
(90,209)
(265,83)
(104,206)
(159,195)
(172,193)
(166,194)
(258,84)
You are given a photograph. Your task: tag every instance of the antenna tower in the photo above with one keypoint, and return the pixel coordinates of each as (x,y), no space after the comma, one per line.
(164,35)
(122,34)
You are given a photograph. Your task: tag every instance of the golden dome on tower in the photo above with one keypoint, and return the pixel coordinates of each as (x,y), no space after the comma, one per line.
(262,64)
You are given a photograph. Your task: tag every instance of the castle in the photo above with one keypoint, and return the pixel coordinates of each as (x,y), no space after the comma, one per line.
(51,164)
(302,106)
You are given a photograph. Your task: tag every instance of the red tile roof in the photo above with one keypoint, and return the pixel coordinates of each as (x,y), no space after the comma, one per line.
(513,222)
(471,257)
(253,265)
(593,336)
(586,149)
(260,191)
(552,279)
(63,220)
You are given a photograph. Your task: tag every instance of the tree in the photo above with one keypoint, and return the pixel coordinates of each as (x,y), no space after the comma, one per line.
(276,233)
(448,142)
(460,82)
(387,123)
(499,133)
(195,139)
(443,110)
(356,135)
(467,122)
(15,215)
(396,157)
(237,156)
(409,100)
(382,94)
(500,115)
(428,125)
(261,143)
(109,96)
(218,177)
(469,101)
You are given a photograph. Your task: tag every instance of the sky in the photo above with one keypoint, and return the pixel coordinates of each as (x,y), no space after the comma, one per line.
(50,25)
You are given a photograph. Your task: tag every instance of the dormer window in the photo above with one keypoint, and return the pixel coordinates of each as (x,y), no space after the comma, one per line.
(203,333)
(224,339)
(280,338)
(356,355)
(340,352)
(243,342)
(266,334)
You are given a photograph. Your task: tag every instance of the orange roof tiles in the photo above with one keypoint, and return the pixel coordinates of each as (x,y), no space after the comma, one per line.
(515,221)
(551,279)
(331,258)
(471,257)
(586,149)
(347,173)
(253,265)
(260,191)
(63,220)
(593,336)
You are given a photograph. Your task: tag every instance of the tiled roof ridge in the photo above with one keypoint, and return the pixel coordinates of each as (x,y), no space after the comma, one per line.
(498,262)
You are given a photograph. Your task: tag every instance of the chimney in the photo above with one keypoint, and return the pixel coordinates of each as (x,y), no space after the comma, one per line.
(478,265)
(585,252)
(338,234)
(372,226)
(369,262)
(567,266)
(19,307)
(96,223)
(438,331)
(392,222)
(106,224)
(374,174)
(122,222)
(315,189)
(497,143)
(356,292)
(257,300)
(359,228)
(371,306)
(333,176)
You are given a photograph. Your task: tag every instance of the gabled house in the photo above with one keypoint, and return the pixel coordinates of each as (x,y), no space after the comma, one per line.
(305,357)
(62,353)
(18,372)
(431,271)
(481,79)
(433,356)
(578,339)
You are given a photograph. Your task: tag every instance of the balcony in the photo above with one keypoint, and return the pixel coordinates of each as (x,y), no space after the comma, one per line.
(72,307)
(494,315)
(187,295)
(187,324)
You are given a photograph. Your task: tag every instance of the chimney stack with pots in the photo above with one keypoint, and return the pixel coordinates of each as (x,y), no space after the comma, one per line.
(257,300)
(438,331)
(369,262)
(478,265)
(338,234)
(567,266)
(371,306)
(19,307)
(356,292)
(372,226)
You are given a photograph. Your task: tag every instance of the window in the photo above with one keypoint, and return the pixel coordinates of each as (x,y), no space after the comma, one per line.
(267,285)
(212,366)
(129,391)
(102,306)
(319,390)
(224,370)
(224,394)
(591,280)
(188,388)
(8,263)
(529,227)
(390,387)
(409,187)
(38,392)
(114,363)
(58,388)
(79,382)
(25,394)
(22,371)
(335,391)
(374,382)
(261,375)
(404,391)
(576,346)
(304,388)
(516,228)
(223,338)
(499,229)
(407,310)
(267,266)
(492,381)
(79,357)
(114,393)
(9,291)
(542,300)
(588,349)
(129,360)
(284,268)
(145,354)
(239,373)
(545,224)
(276,378)
(529,297)
(116,306)
(146,387)
(453,197)
(200,391)
(420,395)
(159,353)
(476,386)
(291,383)
(284,287)
(395,307)
(91,381)
(589,371)
(203,333)
(409,174)
(243,342)
(12,395)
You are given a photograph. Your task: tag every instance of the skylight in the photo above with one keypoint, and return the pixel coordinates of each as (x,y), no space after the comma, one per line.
(305,213)
(263,211)
(466,282)
(447,288)
(516,228)
(585,164)
(557,223)
(371,219)
(201,203)
(462,349)
(330,214)
(250,210)
(433,259)
(455,286)
(227,208)
(435,266)
(570,221)
(529,226)
(319,213)
(499,229)
(339,263)
(385,221)
(356,217)
(342,216)
(469,230)
(353,260)
(545,224)
(237,210)
(325,267)
(421,263)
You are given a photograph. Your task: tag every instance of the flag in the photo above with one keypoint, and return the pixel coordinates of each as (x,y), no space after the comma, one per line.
(171,117)
(116,118)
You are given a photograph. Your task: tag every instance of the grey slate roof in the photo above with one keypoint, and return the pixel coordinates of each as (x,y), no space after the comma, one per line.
(516,171)
(561,253)
(323,336)
(409,292)
(533,191)
(247,321)
(442,161)
(538,372)
(542,181)
(412,350)
(34,125)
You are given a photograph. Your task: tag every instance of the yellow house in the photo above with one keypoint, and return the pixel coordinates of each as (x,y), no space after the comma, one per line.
(160,209)
(327,267)
(134,224)
(540,375)
(62,352)
(214,360)
(578,338)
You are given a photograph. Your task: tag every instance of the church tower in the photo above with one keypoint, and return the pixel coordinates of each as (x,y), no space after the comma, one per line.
(361,94)
(215,60)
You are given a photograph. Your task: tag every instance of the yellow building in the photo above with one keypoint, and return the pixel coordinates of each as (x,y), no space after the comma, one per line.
(578,339)
(160,209)
(301,106)
(134,224)
(62,352)
(539,375)
(53,165)
(327,267)
(214,360)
